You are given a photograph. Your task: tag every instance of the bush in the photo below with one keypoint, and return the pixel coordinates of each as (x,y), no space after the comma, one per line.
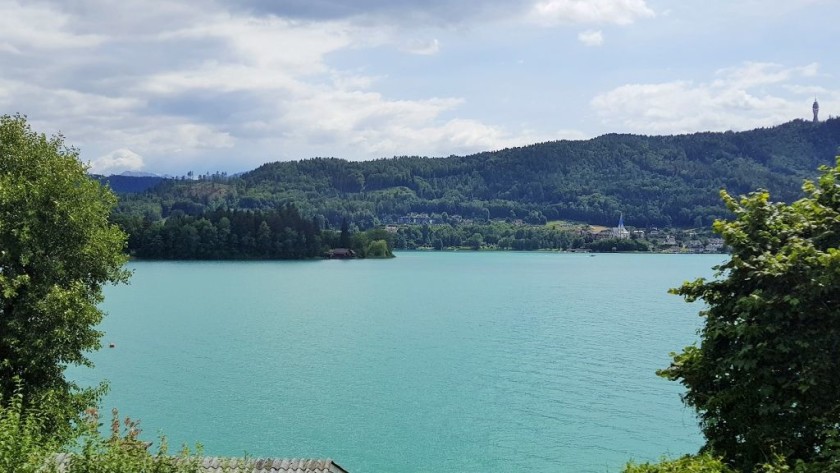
(687,464)
(124,452)
(23,446)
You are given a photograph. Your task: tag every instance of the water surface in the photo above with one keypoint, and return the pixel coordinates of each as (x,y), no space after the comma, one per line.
(428,362)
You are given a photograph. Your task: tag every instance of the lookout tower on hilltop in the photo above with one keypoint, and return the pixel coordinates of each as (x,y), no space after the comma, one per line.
(816,109)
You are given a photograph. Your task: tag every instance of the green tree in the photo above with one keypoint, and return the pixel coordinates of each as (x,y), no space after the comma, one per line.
(378,249)
(359,243)
(764,378)
(344,239)
(475,241)
(264,239)
(57,250)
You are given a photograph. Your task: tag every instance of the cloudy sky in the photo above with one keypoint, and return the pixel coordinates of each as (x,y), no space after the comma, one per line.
(211,85)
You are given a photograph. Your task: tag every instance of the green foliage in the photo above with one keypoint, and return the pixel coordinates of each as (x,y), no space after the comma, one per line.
(24,448)
(224,234)
(378,249)
(500,234)
(704,463)
(57,251)
(124,452)
(375,243)
(344,238)
(618,244)
(764,378)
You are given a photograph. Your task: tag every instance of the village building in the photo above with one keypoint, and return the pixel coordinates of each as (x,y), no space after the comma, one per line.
(714,245)
(416,219)
(604,234)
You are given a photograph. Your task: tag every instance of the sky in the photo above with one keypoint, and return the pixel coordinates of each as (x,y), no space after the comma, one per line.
(212,85)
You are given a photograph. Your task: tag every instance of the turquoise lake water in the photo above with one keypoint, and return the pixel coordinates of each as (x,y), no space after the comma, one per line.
(467,362)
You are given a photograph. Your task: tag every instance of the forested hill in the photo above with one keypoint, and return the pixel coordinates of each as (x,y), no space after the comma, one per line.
(653,180)
(123,184)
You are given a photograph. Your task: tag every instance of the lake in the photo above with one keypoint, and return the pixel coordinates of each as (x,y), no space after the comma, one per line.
(464,361)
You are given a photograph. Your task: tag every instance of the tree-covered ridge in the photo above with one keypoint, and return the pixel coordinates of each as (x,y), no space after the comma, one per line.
(653,180)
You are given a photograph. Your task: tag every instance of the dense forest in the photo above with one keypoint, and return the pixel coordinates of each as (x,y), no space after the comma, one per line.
(224,234)
(654,180)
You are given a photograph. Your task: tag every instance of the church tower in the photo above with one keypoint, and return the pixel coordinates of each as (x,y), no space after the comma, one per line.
(816,109)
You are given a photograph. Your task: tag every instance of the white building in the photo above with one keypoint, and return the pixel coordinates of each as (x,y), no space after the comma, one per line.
(620,232)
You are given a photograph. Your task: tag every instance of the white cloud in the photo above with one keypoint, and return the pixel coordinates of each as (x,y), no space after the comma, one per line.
(368,125)
(28,25)
(296,47)
(60,101)
(168,136)
(8,48)
(422,47)
(570,135)
(194,81)
(591,37)
(217,82)
(748,96)
(619,12)
(307,108)
(117,161)
(99,120)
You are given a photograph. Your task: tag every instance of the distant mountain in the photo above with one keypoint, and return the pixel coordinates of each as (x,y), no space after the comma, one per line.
(137,174)
(126,183)
(653,180)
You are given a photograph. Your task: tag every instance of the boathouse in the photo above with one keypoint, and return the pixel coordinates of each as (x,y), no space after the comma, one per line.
(341,253)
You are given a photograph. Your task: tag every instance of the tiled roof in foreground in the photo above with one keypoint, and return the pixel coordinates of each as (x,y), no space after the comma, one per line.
(269,465)
(259,465)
